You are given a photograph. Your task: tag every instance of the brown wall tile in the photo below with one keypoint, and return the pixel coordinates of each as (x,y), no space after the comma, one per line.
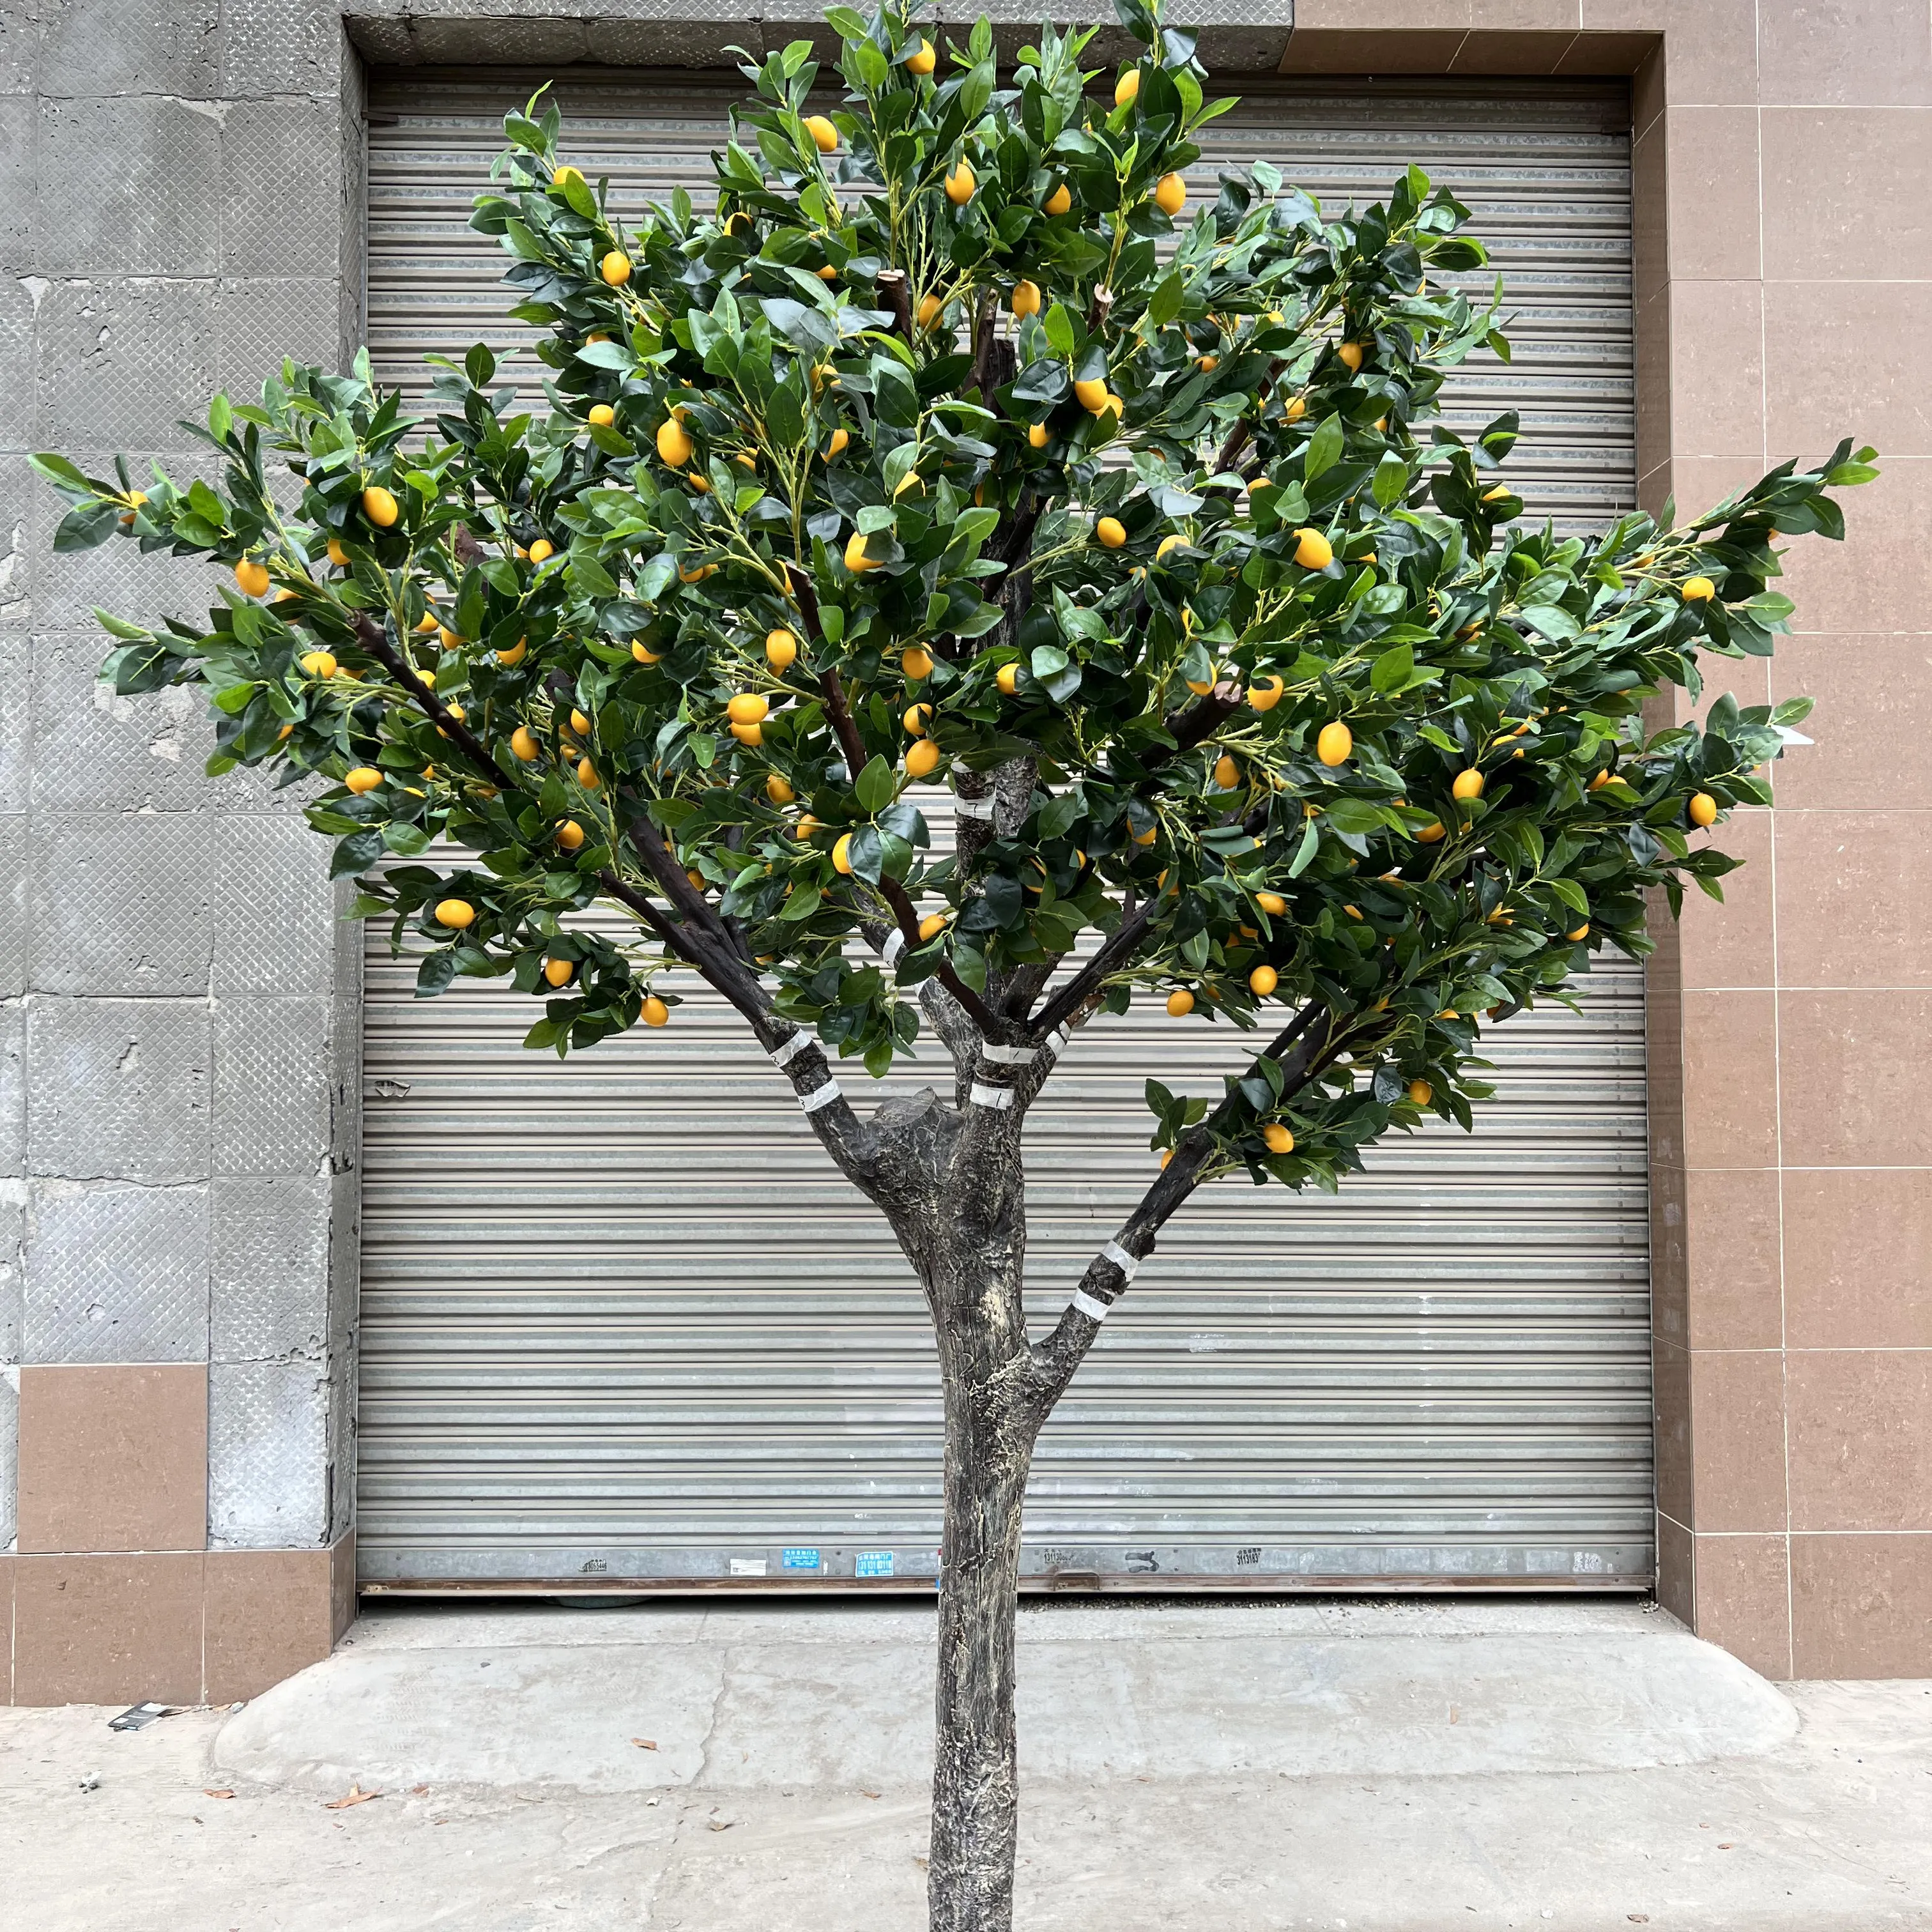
(1730,944)
(1843,196)
(341,1586)
(1670,1406)
(1873,695)
(270,1613)
(1861,1605)
(114,1457)
(107,1629)
(1323,50)
(1710,45)
(1653,384)
(1737,1439)
(1858,1258)
(1853,892)
(1733,1296)
(1500,53)
(7,1629)
(1861,1425)
(1592,56)
(1832,367)
(1676,1571)
(1841,1097)
(1549,19)
(1730,1080)
(1828,51)
(1669,1313)
(1650,222)
(1880,578)
(1743,1600)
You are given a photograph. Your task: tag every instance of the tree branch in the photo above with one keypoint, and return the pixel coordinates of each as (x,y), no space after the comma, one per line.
(892,284)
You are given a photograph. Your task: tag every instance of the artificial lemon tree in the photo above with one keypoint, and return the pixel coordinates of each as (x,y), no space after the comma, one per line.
(951,451)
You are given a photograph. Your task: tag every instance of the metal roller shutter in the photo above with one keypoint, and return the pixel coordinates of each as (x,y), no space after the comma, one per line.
(621,1321)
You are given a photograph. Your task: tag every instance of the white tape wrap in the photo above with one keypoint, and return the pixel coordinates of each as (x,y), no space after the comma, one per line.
(996,1097)
(819,1097)
(1054,1042)
(894,946)
(784,1056)
(1008,1056)
(977,807)
(1112,1251)
(1094,1310)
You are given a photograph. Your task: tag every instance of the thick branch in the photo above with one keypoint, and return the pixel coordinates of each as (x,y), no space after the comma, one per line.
(1202,719)
(891,283)
(1056,1358)
(1119,946)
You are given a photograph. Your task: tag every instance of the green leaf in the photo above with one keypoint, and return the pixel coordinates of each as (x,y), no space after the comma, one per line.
(875,786)
(1311,837)
(1391,480)
(86,526)
(1393,670)
(1324,449)
(220,417)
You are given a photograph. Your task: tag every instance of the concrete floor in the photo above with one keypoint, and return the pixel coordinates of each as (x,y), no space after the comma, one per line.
(1389,1767)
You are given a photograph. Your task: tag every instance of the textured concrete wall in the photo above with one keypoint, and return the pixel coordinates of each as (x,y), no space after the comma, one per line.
(179,1012)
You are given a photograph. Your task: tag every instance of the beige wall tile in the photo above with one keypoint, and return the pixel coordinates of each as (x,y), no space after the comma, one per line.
(1841,1103)
(1880,579)
(1861,1605)
(1844,193)
(1854,899)
(1714,221)
(270,1613)
(1737,1440)
(1732,1288)
(1858,1258)
(107,1629)
(1844,53)
(1650,216)
(1833,368)
(114,1457)
(1861,1439)
(1401,16)
(1701,483)
(1653,389)
(1710,50)
(1743,1598)
(1716,370)
(1873,695)
(1730,944)
(1551,18)
(1669,1256)
(1730,1080)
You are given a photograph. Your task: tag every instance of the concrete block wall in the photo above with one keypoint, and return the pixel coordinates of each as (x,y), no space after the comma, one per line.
(179,1012)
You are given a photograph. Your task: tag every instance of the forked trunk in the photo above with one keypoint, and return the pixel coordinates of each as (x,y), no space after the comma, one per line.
(975,1784)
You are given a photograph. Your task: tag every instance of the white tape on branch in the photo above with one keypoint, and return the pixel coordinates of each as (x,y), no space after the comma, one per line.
(819,1097)
(997,1097)
(894,946)
(1112,1251)
(1094,1310)
(1054,1041)
(977,807)
(784,1056)
(1008,1056)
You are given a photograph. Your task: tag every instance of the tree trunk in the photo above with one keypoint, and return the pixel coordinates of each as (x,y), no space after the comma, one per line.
(975,1785)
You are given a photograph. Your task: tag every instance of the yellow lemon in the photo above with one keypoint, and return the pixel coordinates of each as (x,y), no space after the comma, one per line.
(1111,532)
(1059,201)
(1314,551)
(916,719)
(1040,436)
(1467,784)
(564,175)
(318,663)
(542,551)
(778,791)
(1026,299)
(615,268)
(1703,809)
(960,184)
(523,742)
(338,555)
(1007,677)
(602,415)
(253,577)
(1227,773)
(655,1013)
(1278,1138)
(930,308)
(1421,1093)
(748,734)
(1170,194)
(1127,88)
(921,60)
(841,854)
(824,136)
(837,445)
(1264,693)
(642,652)
(856,559)
(1091,395)
(1295,410)
(1180,1003)
(570,835)
(364,777)
(587,775)
(1334,744)
(379,506)
(748,707)
(514,656)
(1350,354)
(932,925)
(781,649)
(922,760)
(1582,932)
(1168,543)
(557,972)
(1273,903)
(916,663)
(1430,832)
(459,914)
(674,444)
(1698,590)
(1262,981)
